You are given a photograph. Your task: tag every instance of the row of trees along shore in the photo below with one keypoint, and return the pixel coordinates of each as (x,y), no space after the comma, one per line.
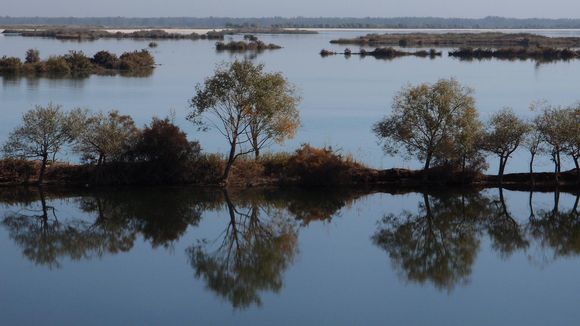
(439,124)
(436,123)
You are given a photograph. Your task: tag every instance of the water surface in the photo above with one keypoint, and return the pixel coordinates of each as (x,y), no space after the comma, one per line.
(200,256)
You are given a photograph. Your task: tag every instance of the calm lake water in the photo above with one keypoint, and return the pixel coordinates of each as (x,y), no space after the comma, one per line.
(342,98)
(182,256)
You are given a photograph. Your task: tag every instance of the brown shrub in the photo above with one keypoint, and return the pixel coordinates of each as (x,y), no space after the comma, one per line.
(313,166)
(13,171)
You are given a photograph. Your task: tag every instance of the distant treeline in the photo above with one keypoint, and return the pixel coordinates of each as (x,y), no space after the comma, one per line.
(71,33)
(297,22)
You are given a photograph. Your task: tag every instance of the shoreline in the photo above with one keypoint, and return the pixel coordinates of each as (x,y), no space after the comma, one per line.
(357,177)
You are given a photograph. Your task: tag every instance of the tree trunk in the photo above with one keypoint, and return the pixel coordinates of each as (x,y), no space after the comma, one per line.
(256,146)
(556,208)
(502,162)
(530,203)
(532,168)
(256,153)
(577,164)
(426,167)
(230,161)
(42,168)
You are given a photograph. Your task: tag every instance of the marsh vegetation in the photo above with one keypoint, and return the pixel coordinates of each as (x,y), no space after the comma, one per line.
(76,63)
(486,39)
(88,34)
(253,45)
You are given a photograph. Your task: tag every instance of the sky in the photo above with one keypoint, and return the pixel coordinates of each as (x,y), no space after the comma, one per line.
(291,8)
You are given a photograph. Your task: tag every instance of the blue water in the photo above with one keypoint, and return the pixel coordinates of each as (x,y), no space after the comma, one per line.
(477,269)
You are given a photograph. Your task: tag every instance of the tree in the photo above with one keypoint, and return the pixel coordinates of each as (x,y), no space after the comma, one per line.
(32,56)
(43,133)
(275,116)
(461,148)
(505,132)
(106,137)
(424,117)
(572,142)
(247,106)
(553,123)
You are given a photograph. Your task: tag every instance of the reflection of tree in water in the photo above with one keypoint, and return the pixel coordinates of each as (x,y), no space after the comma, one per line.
(506,234)
(438,244)
(557,230)
(161,216)
(256,248)
(45,240)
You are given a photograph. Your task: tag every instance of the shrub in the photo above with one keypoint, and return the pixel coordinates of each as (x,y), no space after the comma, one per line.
(106,60)
(56,65)
(10,64)
(167,151)
(207,169)
(32,56)
(137,60)
(78,61)
(17,171)
(320,167)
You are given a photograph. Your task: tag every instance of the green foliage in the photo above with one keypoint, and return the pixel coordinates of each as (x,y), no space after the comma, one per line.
(43,133)
(78,62)
(106,137)
(505,132)
(56,65)
(424,118)
(247,106)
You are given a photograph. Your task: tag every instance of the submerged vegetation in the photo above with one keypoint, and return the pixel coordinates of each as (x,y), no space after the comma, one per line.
(77,63)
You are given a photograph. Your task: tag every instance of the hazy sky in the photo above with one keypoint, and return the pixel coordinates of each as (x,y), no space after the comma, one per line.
(288,8)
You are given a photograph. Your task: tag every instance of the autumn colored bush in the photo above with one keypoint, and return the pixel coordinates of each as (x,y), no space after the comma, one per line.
(320,167)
